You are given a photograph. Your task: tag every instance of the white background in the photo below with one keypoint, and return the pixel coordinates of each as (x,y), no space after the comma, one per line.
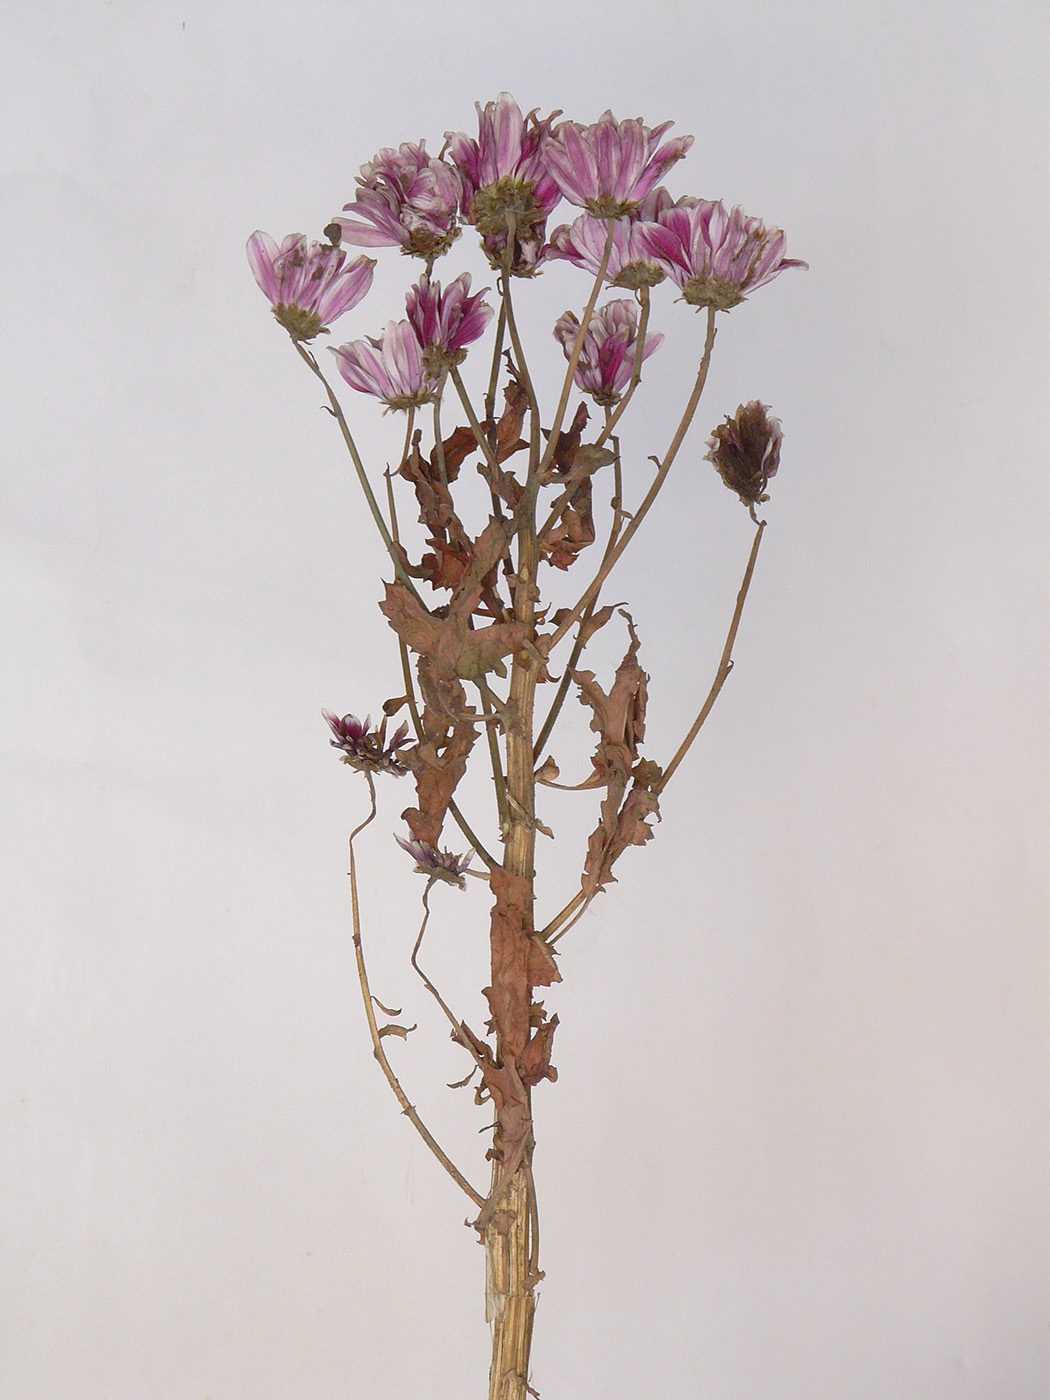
(798,1146)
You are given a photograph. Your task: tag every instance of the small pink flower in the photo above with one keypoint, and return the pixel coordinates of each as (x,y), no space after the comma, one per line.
(367,749)
(610,166)
(391,367)
(609,346)
(716,257)
(746,451)
(446,322)
(504,174)
(435,864)
(307,284)
(408,199)
(630,264)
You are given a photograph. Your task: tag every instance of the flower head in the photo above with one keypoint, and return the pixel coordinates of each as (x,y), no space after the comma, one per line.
(716,257)
(746,451)
(609,347)
(446,321)
(505,179)
(609,166)
(630,263)
(391,367)
(408,199)
(307,284)
(437,865)
(365,748)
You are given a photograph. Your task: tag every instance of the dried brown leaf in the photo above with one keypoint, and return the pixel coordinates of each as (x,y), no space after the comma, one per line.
(402,1031)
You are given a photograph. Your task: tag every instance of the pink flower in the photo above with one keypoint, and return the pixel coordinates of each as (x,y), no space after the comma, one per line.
(746,451)
(446,322)
(437,865)
(307,284)
(610,166)
(407,199)
(391,368)
(367,749)
(609,346)
(713,256)
(504,175)
(630,262)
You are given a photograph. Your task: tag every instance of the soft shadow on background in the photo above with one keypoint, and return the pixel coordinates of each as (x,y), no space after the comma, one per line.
(798,1147)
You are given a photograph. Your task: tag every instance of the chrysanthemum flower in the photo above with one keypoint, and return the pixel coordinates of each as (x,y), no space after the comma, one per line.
(446,321)
(630,264)
(746,451)
(610,166)
(504,175)
(437,865)
(367,749)
(408,200)
(609,347)
(716,257)
(307,283)
(391,368)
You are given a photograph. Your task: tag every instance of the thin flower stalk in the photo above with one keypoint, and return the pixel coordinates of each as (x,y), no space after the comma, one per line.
(407,1107)
(480,436)
(725,665)
(594,588)
(519,356)
(456,1022)
(366,486)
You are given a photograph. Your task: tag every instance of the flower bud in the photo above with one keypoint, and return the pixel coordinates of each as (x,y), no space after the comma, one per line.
(746,451)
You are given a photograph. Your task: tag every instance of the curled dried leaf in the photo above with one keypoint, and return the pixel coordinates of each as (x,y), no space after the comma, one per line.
(402,1031)
(386,1010)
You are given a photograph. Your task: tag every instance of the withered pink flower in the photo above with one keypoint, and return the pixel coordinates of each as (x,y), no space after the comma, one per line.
(367,749)
(391,368)
(307,284)
(610,166)
(437,865)
(715,257)
(609,346)
(408,199)
(504,175)
(630,264)
(746,451)
(446,321)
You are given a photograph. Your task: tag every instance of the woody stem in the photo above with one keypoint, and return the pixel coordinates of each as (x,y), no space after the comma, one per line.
(508,1222)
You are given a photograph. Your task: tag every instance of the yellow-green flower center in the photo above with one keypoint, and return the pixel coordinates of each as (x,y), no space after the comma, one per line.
(712,291)
(300,324)
(492,207)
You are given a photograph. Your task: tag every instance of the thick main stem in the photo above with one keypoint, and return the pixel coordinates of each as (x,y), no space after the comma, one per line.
(510,1234)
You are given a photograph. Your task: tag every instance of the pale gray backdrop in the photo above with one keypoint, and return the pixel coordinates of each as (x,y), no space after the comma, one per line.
(798,1146)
